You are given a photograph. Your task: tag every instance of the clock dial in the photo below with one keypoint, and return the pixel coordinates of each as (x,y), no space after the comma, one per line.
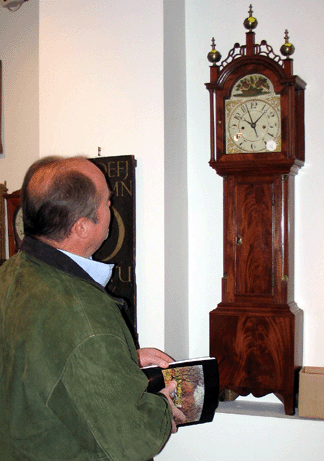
(253,122)
(253,126)
(18,226)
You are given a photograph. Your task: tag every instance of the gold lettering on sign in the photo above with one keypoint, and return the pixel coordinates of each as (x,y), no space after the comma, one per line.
(121,187)
(121,234)
(118,169)
(102,167)
(124,273)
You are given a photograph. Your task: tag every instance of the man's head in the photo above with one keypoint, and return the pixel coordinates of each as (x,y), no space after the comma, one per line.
(65,200)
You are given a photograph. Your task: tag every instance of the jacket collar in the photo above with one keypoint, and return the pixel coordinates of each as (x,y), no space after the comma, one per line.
(53,257)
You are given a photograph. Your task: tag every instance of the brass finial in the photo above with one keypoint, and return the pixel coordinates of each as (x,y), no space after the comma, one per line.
(213,56)
(287,49)
(250,23)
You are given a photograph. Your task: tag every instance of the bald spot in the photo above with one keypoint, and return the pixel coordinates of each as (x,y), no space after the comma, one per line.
(44,176)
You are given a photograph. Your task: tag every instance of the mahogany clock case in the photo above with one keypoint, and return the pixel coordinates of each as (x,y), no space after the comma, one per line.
(256,330)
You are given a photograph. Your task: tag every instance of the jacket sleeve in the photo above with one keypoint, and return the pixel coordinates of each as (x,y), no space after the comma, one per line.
(108,390)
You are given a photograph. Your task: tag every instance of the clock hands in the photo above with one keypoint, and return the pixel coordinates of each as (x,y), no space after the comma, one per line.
(261,115)
(249,115)
(252,123)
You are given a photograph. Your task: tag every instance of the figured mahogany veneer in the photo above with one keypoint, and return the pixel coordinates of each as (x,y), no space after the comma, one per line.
(256,331)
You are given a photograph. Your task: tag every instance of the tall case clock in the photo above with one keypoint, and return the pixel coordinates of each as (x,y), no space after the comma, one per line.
(257,146)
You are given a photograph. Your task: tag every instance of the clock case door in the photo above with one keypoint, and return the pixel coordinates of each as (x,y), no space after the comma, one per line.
(256,331)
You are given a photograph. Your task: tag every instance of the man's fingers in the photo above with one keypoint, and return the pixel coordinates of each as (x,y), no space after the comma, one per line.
(178,415)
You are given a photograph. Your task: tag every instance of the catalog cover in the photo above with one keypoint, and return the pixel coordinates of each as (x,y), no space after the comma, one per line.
(197,391)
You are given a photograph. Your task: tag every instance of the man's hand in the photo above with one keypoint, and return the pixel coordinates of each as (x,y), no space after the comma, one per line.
(178,416)
(149,356)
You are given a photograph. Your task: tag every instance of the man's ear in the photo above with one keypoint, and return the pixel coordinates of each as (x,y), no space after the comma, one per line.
(82,228)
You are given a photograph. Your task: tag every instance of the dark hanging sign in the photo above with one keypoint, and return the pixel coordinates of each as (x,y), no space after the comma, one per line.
(119,248)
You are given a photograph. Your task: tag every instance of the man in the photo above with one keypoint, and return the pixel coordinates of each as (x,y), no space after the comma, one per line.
(71,385)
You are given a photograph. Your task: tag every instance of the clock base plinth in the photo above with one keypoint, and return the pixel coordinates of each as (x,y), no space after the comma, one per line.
(288,400)
(257,350)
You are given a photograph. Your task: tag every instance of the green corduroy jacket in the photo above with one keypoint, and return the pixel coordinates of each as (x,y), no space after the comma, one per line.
(71,387)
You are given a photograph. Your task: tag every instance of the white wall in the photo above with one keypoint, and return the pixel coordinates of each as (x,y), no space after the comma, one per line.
(176,181)
(20,92)
(101,84)
(81,74)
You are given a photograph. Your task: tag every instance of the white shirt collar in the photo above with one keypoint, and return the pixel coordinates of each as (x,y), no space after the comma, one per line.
(100,272)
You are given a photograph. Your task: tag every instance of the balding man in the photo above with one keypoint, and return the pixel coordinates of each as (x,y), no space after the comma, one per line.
(71,385)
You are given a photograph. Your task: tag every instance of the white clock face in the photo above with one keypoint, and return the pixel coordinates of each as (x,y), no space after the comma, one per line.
(19,224)
(253,126)
(253,120)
